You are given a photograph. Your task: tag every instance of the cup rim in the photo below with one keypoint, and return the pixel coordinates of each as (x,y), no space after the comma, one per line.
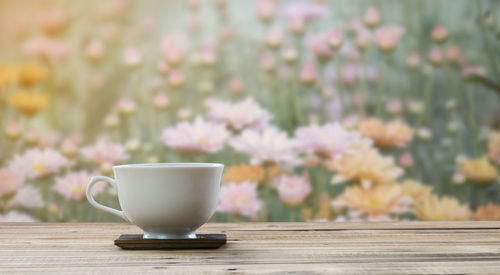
(171,165)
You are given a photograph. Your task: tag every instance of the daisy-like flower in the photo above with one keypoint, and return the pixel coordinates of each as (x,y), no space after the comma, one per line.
(292,190)
(37,163)
(254,173)
(10,181)
(73,185)
(433,208)
(365,164)
(14,216)
(198,136)
(479,171)
(392,134)
(416,190)
(240,199)
(387,37)
(28,196)
(380,200)
(329,140)
(240,115)
(105,153)
(269,146)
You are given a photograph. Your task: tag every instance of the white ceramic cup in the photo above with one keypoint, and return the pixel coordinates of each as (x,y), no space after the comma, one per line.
(166,200)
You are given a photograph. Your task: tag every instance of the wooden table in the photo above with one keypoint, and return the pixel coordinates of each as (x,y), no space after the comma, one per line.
(402,247)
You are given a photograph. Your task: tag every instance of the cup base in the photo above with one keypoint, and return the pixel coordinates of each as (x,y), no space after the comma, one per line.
(150,235)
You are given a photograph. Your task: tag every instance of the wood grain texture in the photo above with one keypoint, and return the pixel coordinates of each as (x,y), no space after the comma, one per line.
(339,248)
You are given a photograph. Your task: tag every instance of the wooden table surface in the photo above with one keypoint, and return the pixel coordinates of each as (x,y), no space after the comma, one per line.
(375,248)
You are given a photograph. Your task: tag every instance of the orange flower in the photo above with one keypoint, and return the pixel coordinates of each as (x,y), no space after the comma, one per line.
(33,74)
(324,212)
(254,173)
(381,199)
(431,208)
(488,212)
(479,171)
(366,165)
(392,134)
(416,190)
(8,75)
(29,102)
(494,147)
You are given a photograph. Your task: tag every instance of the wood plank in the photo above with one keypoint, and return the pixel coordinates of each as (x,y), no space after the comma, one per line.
(339,248)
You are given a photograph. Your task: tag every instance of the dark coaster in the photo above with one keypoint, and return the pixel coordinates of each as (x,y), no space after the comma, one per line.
(203,241)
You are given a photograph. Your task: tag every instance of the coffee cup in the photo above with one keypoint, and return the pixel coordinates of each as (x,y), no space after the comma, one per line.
(166,200)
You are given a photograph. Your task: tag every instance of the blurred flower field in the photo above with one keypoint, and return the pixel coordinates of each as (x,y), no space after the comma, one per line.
(320,110)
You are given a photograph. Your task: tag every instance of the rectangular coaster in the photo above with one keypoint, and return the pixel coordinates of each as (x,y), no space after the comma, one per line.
(203,241)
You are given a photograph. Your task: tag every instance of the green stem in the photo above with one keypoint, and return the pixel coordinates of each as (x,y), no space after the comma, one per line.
(340,86)
(489,52)
(427,101)
(381,87)
(472,121)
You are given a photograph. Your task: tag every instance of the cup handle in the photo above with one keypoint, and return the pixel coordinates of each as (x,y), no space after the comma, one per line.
(97,205)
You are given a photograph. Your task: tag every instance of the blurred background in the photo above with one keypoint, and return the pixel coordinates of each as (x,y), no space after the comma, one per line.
(320,110)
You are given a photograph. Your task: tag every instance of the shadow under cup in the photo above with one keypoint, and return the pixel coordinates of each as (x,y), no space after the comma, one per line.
(166,200)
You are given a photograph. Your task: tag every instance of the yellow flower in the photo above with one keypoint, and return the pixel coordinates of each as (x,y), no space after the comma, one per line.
(29,102)
(494,147)
(243,172)
(432,208)
(416,190)
(33,74)
(381,199)
(479,171)
(8,75)
(488,212)
(366,165)
(392,134)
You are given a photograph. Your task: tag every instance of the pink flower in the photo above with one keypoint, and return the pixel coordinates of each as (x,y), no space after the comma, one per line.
(308,74)
(161,100)
(406,160)
(125,106)
(413,59)
(436,57)
(10,181)
(12,130)
(306,11)
(266,9)
(173,49)
(50,139)
(269,146)
(372,17)
(236,86)
(292,190)
(239,115)
(176,79)
(240,199)
(73,185)
(335,39)
(51,21)
(274,37)
(132,57)
(394,106)
(113,9)
(199,136)
(28,196)
(387,37)
(319,45)
(330,140)
(104,152)
(14,216)
(37,163)
(46,49)
(439,34)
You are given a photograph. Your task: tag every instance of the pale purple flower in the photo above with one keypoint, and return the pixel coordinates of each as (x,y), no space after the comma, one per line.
(292,190)
(73,185)
(105,152)
(240,115)
(28,196)
(266,9)
(239,199)
(37,163)
(173,49)
(46,49)
(268,146)
(319,45)
(330,140)
(306,11)
(126,106)
(274,37)
(372,17)
(14,216)
(198,136)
